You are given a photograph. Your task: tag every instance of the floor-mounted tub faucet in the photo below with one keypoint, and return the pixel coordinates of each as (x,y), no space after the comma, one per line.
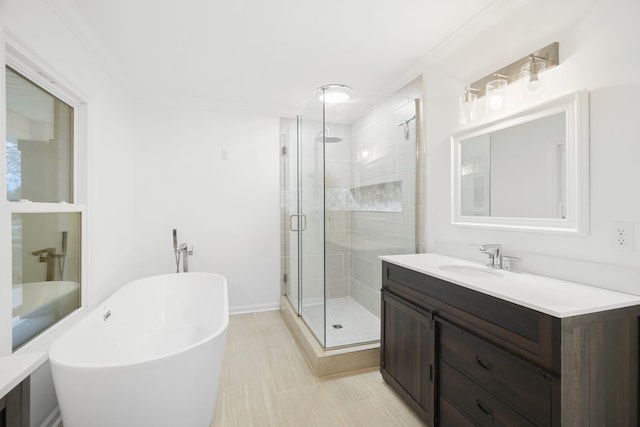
(54,259)
(181,251)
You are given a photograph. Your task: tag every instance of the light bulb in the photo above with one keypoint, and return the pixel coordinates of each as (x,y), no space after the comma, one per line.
(531,76)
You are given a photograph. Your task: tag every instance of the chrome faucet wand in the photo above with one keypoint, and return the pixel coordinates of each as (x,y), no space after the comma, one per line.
(62,257)
(176,252)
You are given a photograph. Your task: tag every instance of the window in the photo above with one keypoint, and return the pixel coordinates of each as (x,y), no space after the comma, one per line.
(43,124)
(39,143)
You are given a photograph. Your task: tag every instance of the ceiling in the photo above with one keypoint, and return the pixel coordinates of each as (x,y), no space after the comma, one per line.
(269,55)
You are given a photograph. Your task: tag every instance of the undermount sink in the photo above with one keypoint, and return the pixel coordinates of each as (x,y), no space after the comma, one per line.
(472,271)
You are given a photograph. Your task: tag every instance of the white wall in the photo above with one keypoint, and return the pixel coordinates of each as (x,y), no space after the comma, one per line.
(110,169)
(598,40)
(165,165)
(227,209)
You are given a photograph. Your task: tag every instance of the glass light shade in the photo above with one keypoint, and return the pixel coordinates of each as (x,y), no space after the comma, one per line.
(334,93)
(468,108)
(532,83)
(496,93)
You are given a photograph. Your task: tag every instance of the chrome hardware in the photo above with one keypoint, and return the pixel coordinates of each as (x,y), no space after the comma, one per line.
(405,126)
(181,251)
(106,316)
(496,259)
(302,218)
(494,252)
(50,256)
(508,261)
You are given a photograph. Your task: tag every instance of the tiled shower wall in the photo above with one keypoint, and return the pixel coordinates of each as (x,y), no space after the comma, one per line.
(338,204)
(382,174)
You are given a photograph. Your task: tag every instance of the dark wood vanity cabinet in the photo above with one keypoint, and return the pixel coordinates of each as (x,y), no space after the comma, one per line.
(460,357)
(14,407)
(408,356)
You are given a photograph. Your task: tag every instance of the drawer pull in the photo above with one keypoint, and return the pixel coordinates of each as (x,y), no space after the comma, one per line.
(484,365)
(487,411)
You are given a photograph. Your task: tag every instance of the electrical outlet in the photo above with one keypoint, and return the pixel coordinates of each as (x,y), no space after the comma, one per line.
(623,236)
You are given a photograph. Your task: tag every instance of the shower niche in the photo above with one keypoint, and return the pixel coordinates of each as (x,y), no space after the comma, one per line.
(350,192)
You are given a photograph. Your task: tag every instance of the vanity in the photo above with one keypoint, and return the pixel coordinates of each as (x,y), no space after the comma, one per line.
(15,371)
(466,345)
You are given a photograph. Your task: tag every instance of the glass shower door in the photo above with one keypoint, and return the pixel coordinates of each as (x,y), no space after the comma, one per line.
(311,199)
(291,218)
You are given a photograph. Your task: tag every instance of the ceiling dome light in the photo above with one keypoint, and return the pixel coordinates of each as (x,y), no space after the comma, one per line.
(334,93)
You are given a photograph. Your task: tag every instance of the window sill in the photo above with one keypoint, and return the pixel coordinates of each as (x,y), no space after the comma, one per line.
(42,342)
(24,361)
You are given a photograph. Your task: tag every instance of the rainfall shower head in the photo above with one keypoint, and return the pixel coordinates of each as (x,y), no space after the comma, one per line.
(327,138)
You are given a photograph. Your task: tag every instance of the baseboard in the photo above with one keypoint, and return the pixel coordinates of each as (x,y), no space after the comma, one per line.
(53,420)
(254,308)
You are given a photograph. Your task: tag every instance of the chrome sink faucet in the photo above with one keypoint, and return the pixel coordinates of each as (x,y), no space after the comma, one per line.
(497,259)
(494,252)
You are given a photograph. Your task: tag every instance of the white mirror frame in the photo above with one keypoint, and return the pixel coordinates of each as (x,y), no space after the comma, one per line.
(576,109)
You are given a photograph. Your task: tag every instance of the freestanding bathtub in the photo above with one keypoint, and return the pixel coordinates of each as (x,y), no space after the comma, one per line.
(150,355)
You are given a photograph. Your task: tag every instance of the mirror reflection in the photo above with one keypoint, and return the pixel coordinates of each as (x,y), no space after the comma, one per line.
(518,171)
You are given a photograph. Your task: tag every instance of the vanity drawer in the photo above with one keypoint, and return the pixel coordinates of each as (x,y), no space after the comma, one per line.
(449,416)
(523,385)
(525,332)
(477,404)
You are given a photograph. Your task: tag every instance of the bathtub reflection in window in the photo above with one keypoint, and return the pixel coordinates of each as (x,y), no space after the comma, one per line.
(45,271)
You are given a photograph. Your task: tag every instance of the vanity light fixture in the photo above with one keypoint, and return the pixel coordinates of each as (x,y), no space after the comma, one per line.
(494,85)
(334,93)
(468,105)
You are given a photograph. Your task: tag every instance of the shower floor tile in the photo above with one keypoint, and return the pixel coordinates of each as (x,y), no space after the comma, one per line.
(354,323)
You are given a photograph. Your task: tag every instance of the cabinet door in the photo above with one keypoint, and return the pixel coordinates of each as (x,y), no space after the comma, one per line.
(407,352)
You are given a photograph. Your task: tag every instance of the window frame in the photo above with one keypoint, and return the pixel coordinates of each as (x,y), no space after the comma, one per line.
(26,63)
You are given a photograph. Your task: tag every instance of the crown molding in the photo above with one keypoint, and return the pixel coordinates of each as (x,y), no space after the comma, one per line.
(69,15)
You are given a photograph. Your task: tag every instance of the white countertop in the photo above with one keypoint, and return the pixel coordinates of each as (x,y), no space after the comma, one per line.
(15,368)
(555,297)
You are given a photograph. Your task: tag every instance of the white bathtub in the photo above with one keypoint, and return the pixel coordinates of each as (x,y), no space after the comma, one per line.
(150,355)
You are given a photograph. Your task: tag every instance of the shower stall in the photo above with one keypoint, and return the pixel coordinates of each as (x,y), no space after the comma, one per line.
(350,192)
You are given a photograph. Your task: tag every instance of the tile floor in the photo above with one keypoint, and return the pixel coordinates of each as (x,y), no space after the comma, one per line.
(266,382)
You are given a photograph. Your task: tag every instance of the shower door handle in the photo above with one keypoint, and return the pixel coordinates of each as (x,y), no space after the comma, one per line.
(301,218)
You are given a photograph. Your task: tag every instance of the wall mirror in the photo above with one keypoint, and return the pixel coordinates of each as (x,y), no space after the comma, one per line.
(528,171)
